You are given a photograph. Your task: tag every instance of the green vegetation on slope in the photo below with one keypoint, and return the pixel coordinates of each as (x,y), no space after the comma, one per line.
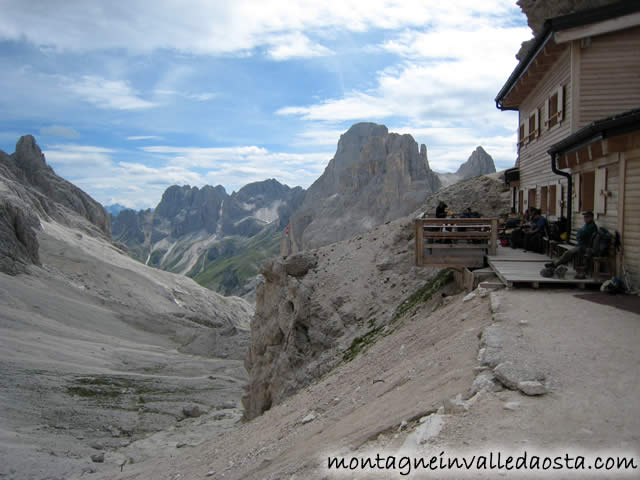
(422,295)
(226,266)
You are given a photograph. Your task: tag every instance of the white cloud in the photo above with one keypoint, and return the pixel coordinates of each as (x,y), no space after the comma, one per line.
(99,171)
(202,26)
(78,156)
(199,97)
(60,131)
(107,94)
(144,137)
(295,45)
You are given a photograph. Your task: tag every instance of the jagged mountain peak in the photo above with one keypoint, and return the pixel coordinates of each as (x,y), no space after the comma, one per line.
(478,163)
(374,176)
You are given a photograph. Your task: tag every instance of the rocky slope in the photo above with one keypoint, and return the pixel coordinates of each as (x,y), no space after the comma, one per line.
(478,163)
(96,349)
(452,374)
(375,176)
(30,190)
(487,195)
(315,307)
(210,235)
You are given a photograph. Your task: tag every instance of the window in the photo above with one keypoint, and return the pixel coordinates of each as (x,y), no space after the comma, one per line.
(534,125)
(587,183)
(532,198)
(543,200)
(552,200)
(520,201)
(521,135)
(555,108)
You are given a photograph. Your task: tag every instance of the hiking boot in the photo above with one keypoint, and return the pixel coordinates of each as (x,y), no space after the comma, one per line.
(550,265)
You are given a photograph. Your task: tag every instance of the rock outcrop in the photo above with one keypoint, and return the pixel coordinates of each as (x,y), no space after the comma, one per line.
(29,189)
(375,176)
(487,195)
(537,11)
(316,308)
(479,163)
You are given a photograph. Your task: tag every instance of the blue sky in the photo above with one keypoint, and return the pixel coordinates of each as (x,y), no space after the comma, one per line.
(128,98)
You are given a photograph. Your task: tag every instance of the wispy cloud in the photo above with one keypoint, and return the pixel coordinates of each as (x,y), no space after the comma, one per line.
(107,94)
(144,137)
(60,131)
(200,97)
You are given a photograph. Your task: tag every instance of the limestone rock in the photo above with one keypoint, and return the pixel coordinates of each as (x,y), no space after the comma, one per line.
(485,382)
(299,264)
(538,11)
(513,376)
(529,387)
(486,195)
(479,163)
(97,457)
(375,176)
(48,194)
(18,240)
(191,411)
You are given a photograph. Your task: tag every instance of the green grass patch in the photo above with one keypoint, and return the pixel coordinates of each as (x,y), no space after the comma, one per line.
(424,293)
(360,344)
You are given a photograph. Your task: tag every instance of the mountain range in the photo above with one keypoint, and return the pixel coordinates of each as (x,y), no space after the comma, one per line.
(221,239)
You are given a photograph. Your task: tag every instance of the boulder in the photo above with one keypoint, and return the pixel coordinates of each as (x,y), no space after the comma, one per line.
(299,264)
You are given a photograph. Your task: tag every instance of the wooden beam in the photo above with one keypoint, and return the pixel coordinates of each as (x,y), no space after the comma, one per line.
(600,28)
(494,237)
(419,234)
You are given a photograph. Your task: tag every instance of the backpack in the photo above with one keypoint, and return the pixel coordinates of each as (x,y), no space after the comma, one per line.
(601,242)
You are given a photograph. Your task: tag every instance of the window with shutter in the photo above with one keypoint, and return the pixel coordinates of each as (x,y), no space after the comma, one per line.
(543,200)
(555,108)
(587,184)
(532,198)
(552,200)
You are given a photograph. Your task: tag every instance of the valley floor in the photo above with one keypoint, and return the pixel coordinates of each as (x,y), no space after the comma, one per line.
(413,392)
(97,353)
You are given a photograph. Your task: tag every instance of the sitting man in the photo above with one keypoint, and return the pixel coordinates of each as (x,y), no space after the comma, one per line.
(583,236)
(517,234)
(533,237)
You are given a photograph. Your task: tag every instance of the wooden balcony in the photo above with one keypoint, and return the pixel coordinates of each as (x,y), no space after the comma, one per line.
(455,242)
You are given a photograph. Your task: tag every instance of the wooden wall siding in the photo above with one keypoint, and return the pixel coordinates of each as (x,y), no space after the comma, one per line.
(609,219)
(609,76)
(631,235)
(533,159)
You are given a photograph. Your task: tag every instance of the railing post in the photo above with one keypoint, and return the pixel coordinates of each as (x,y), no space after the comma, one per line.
(419,234)
(494,236)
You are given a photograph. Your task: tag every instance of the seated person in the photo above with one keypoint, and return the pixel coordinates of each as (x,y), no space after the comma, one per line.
(517,235)
(583,236)
(441,210)
(533,236)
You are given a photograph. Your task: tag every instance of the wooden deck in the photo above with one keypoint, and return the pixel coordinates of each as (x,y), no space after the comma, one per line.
(515,266)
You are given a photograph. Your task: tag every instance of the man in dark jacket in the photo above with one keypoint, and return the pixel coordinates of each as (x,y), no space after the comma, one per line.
(583,236)
(441,210)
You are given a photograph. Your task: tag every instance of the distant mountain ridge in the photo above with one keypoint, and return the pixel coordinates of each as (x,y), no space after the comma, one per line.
(114,209)
(193,229)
